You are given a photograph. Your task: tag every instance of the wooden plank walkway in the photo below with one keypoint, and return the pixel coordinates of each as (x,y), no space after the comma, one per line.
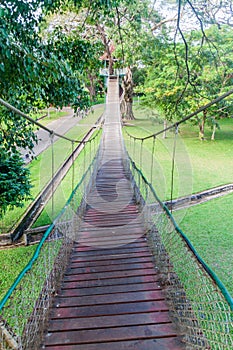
(111,297)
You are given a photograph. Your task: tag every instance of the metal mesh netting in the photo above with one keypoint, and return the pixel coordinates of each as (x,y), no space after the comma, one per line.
(25,307)
(199,302)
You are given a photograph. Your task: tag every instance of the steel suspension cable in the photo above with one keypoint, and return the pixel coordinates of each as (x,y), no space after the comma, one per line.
(73,170)
(84,157)
(173,165)
(140,161)
(134,142)
(31,120)
(130,143)
(53,171)
(152,160)
(90,152)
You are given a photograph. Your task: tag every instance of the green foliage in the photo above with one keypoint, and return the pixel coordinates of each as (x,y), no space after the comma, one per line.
(14,183)
(34,72)
(178,86)
(139,76)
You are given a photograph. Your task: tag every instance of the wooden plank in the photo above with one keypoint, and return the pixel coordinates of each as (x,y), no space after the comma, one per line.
(121,230)
(74,269)
(112,309)
(139,296)
(120,261)
(128,211)
(109,275)
(101,335)
(171,343)
(111,281)
(130,228)
(86,238)
(111,258)
(113,224)
(108,252)
(113,216)
(97,215)
(125,288)
(107,243)
(86,248)
(109,321)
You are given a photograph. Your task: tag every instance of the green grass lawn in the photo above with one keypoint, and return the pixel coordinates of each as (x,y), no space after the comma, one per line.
(12,263)
(209,227)
(65,189)
(52,115)
(199,165)
(41,170)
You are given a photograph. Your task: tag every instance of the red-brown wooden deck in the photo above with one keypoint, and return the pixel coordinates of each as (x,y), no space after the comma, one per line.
(111,298)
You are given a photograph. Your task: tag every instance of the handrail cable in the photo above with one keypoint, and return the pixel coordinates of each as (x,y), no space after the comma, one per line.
(199,110)
(50,131)
(152,159)
(53,171)
(73,170)
(173,165)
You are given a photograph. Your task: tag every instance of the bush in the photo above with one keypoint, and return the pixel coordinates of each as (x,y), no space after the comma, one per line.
(14,181)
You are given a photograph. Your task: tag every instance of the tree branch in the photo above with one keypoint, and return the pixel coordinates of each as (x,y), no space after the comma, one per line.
(158,25)
(120,35)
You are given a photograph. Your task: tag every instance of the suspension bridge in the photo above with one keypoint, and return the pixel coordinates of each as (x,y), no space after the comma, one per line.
(114,270)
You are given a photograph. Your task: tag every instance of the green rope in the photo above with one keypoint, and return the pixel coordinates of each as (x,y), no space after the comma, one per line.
(27,267)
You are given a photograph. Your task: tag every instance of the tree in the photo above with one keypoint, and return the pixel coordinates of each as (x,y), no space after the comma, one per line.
(114,28)
(31,70)
(37,69)
(54,69)
(177,91)
(14,182)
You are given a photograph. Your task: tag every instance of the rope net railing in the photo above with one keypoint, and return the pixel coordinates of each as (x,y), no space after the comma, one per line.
(196,291)
(64,181)
(198,300)
(25,307)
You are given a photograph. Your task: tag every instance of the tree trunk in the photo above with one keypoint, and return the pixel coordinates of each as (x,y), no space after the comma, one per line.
(111,69)
(127,97)
(91,86)
(108,47)
(213,133)
(202,126)
(164,127)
